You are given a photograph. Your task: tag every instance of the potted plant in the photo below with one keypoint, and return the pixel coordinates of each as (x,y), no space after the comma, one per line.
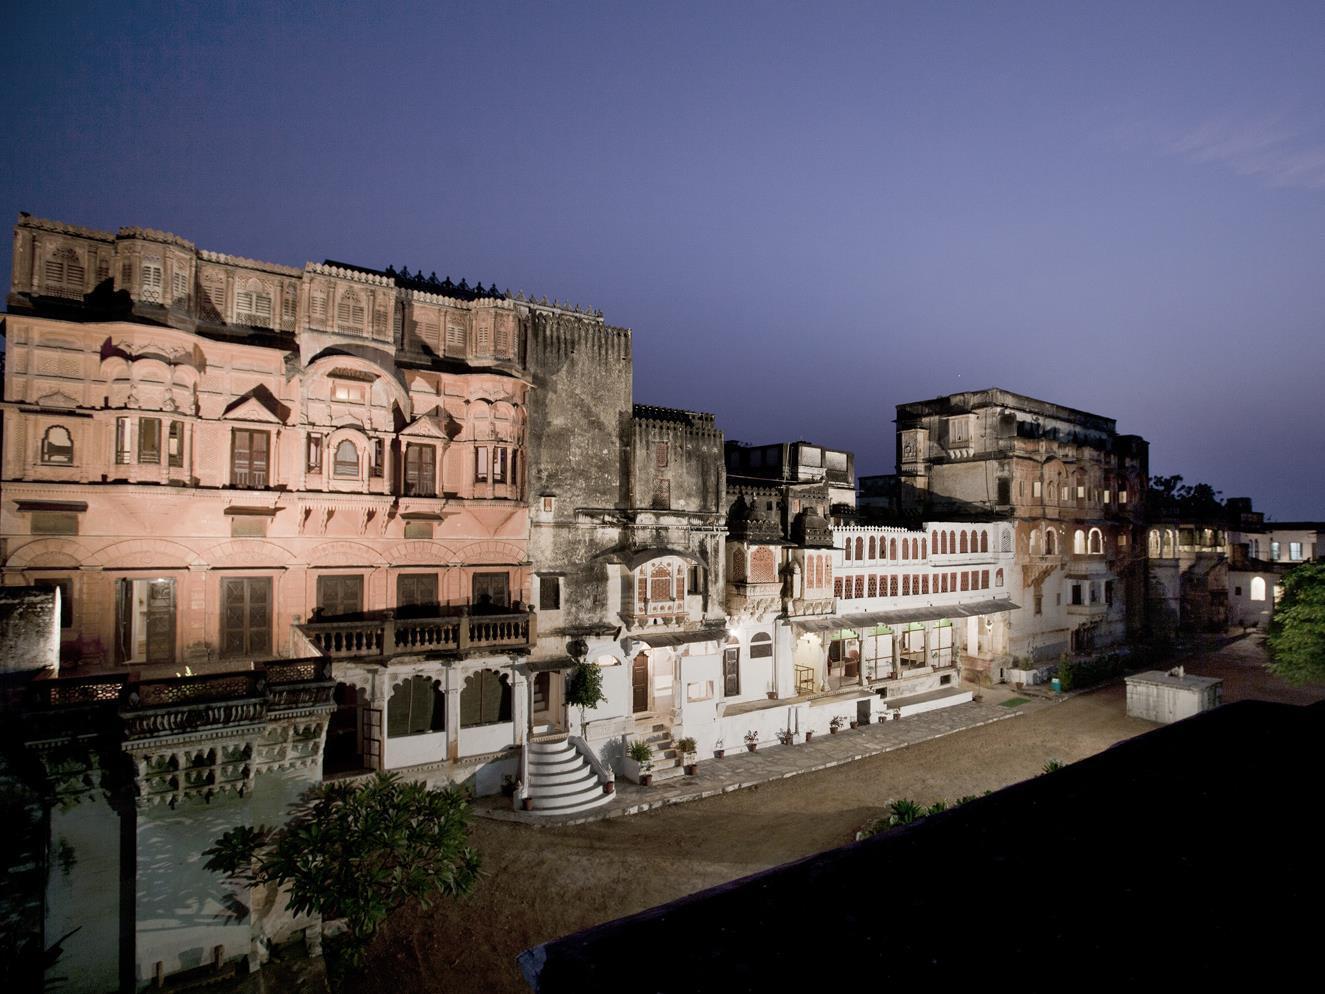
(786,736)
(718,750)
(837,722)
(809,734)
(855,723)
(686,747)
(639,762)
(752,740)
(508,785)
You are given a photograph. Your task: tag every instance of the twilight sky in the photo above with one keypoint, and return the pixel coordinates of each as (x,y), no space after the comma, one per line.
(808,212)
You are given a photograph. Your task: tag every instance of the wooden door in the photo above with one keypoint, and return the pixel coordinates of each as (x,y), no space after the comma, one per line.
(491,590)
(161,621)
(339,596)
(246,616)
(416,595)
(372,737)
(639,683)
(731,672)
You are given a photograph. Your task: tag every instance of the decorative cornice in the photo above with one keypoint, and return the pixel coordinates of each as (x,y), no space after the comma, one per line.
(372,279)
(154,235)
(221,258)
(59,227)
(424,297)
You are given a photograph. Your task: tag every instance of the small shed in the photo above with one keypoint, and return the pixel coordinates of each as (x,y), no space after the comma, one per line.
(1171,696)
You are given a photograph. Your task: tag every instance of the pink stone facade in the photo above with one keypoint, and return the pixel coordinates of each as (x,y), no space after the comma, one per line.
(245,444)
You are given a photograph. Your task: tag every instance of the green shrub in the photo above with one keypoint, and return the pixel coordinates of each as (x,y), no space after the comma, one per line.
(1053,766)
(640,752)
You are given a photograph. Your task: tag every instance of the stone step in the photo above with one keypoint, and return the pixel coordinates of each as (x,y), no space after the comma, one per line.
(569,803)
(587,781)
(553,766)
(667,772)
(561,776)
(551,748)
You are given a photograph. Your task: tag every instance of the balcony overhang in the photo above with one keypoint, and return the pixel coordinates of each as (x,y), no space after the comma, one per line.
(901,616)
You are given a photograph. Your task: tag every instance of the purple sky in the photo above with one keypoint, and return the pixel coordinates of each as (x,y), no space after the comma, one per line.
(807,213)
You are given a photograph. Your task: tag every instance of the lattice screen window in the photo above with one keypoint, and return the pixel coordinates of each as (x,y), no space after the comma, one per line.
(455,339)
(349,312)
(179,286)
(64,274)
(150,285)
(317,306)
(288,305)
(483,338)
(213,292)
(253,306)
(503,339)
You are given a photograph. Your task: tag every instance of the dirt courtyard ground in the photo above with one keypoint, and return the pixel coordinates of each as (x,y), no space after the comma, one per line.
(544,883)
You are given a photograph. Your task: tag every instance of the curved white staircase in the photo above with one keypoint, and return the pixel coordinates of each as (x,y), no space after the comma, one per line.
(561,781)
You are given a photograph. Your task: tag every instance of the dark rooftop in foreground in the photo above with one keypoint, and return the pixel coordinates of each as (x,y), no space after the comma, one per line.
(1186,854)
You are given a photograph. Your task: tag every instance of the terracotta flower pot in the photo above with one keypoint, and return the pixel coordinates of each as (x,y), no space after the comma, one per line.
(645,779)
(808,736)
(692,769)
(719,753)
(529,804)
(855,724)
(609,787)
(831,730)
(752,746)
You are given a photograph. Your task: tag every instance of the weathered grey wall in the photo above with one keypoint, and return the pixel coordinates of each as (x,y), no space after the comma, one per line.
(579,415)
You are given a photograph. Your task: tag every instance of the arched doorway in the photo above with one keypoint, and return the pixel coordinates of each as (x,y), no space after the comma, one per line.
(639,684)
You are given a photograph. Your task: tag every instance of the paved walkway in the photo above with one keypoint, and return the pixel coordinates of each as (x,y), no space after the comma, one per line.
(747,769)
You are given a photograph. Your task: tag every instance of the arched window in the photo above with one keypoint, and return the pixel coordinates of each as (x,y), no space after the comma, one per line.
(1033,545)
(998,578)
(417,705)
(1078,543)
(984,541)
(871,546)
(964,545)
(660,584)
(934,541)
(892,549)
(924,554)
(860,548)
(1257,588)
(1050,542)
(915,548)
(761,646)
(942,545)
(905,549)
(762,568)
(485,699)
(1095,542)
(952,542)
(347,460)
(57,446)
(846,551)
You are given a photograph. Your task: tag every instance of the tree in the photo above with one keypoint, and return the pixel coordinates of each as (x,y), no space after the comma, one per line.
(1169,497)
(584,687)
(358,852)
(1297,628)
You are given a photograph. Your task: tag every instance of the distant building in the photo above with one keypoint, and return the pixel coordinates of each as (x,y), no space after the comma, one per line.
(1073,488)
(797,462)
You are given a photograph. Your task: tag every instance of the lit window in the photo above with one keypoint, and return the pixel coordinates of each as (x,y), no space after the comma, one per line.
(57,446)
(347,460)
(1257,588)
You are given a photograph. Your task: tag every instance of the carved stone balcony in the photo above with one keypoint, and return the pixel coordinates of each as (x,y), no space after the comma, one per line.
(386,636)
